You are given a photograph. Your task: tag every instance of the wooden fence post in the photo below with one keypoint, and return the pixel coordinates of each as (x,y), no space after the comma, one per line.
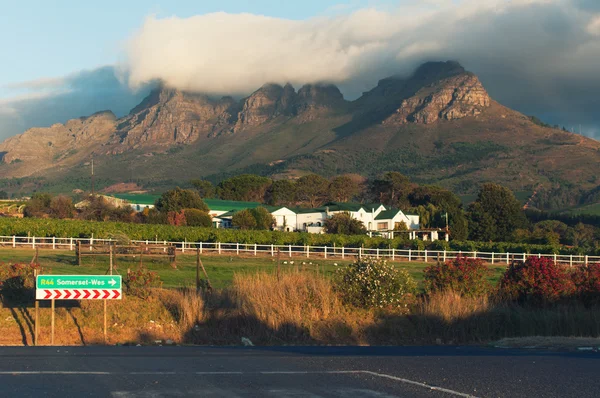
(255,249)
(325,251)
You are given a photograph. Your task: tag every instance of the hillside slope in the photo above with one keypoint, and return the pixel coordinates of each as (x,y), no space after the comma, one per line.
(440,125)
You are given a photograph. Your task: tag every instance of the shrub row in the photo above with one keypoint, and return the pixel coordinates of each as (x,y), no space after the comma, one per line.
(87,229)
(536,281)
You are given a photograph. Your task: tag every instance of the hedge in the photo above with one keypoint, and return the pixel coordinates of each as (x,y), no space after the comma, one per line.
(84,229)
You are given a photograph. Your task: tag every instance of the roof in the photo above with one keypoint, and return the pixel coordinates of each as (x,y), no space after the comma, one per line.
(138,199)
(228,214)
(227,205)
(387,214)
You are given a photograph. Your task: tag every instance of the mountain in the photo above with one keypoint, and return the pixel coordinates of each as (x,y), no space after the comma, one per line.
(437,126)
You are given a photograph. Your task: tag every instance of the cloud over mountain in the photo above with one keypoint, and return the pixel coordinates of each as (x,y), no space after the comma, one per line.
(538,56)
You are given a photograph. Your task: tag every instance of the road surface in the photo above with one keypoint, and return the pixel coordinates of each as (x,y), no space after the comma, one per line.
(296,372)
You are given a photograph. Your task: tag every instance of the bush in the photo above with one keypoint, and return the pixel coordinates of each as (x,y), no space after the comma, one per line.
(371,282)
(587,283)
(197,218)
(536,281)
(344,223)
(465,276)
(16,280)
(140,282)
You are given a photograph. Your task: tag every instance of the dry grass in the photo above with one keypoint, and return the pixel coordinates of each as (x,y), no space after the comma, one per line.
(297,308)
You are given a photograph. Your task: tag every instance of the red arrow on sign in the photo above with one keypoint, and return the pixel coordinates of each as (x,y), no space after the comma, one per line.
(96,294)
(77,294)
(106,294)
(86,294)
(67,294)
(116,294)
(48,294)
(57,294)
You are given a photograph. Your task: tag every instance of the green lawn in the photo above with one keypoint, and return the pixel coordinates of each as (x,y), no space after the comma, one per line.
(220,269)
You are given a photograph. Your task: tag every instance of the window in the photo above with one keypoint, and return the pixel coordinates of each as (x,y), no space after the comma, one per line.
(382,226)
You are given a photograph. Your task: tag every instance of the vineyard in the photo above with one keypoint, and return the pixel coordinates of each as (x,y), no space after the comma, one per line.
(105,230)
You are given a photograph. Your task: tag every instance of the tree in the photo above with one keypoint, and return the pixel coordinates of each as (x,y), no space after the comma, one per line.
(264,219)
(38,205)
(100,209)
(205,189)
(244,219)
(281,193)
(391,189)
(197,218)
(343,188)
(445,202)
(3,195)
(495,215)
(343,223)
(178,199)
(245,187)
(312,190)
(61,207)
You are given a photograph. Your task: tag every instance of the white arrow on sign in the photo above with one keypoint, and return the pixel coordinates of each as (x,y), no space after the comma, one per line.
(112,282)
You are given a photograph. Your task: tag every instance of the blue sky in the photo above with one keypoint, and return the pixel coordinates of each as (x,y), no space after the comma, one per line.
(47,39)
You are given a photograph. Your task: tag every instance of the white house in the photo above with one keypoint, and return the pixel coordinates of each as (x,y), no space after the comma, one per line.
(285,219)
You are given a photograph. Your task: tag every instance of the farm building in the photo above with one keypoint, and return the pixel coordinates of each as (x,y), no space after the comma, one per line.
(376,218)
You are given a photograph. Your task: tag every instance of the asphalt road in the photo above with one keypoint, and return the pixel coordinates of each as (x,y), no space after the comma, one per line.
(296,372)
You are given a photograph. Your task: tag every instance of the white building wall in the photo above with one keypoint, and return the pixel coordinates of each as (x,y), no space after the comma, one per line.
(285,219)
(303,220)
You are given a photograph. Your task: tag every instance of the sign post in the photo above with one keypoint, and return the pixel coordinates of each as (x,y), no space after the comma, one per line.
(76,287)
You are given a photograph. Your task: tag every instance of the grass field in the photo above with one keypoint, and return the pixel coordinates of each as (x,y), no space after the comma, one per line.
(220,268)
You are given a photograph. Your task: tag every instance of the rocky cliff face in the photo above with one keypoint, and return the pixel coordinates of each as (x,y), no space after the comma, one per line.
(31,151)
(437,91)
(448,99)
(168,117)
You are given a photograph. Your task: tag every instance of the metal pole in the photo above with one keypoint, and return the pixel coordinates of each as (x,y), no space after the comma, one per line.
(37,323)
(52,322)
(105,331)
(198,270)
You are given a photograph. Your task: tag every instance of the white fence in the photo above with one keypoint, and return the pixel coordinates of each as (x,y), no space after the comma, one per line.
(324,252)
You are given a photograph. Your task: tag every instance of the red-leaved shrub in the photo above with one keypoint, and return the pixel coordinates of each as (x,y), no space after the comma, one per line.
(140,282)
(536,281)
(465,276)
(587,283)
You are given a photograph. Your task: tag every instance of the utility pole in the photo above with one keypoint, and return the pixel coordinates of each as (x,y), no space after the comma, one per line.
(92,176)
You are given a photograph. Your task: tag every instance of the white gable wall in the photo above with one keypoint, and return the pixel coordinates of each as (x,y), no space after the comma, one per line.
(285,219)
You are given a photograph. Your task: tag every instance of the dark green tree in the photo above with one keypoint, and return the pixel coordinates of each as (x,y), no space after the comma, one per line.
(197,218)
(281,193)
(312,190)
(245,187)
(343,223)
(343,189)
(205,189)
(244,219)
(444,202)
(264,219)
(391,189)
(495,215)
(178,199)
(38,205)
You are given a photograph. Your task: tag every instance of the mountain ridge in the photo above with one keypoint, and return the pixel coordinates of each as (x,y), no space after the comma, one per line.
(439,124)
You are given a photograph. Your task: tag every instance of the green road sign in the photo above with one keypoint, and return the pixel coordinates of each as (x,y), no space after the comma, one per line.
(78,287)
(78,282)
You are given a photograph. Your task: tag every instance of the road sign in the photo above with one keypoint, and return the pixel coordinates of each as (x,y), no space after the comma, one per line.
(78,287)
